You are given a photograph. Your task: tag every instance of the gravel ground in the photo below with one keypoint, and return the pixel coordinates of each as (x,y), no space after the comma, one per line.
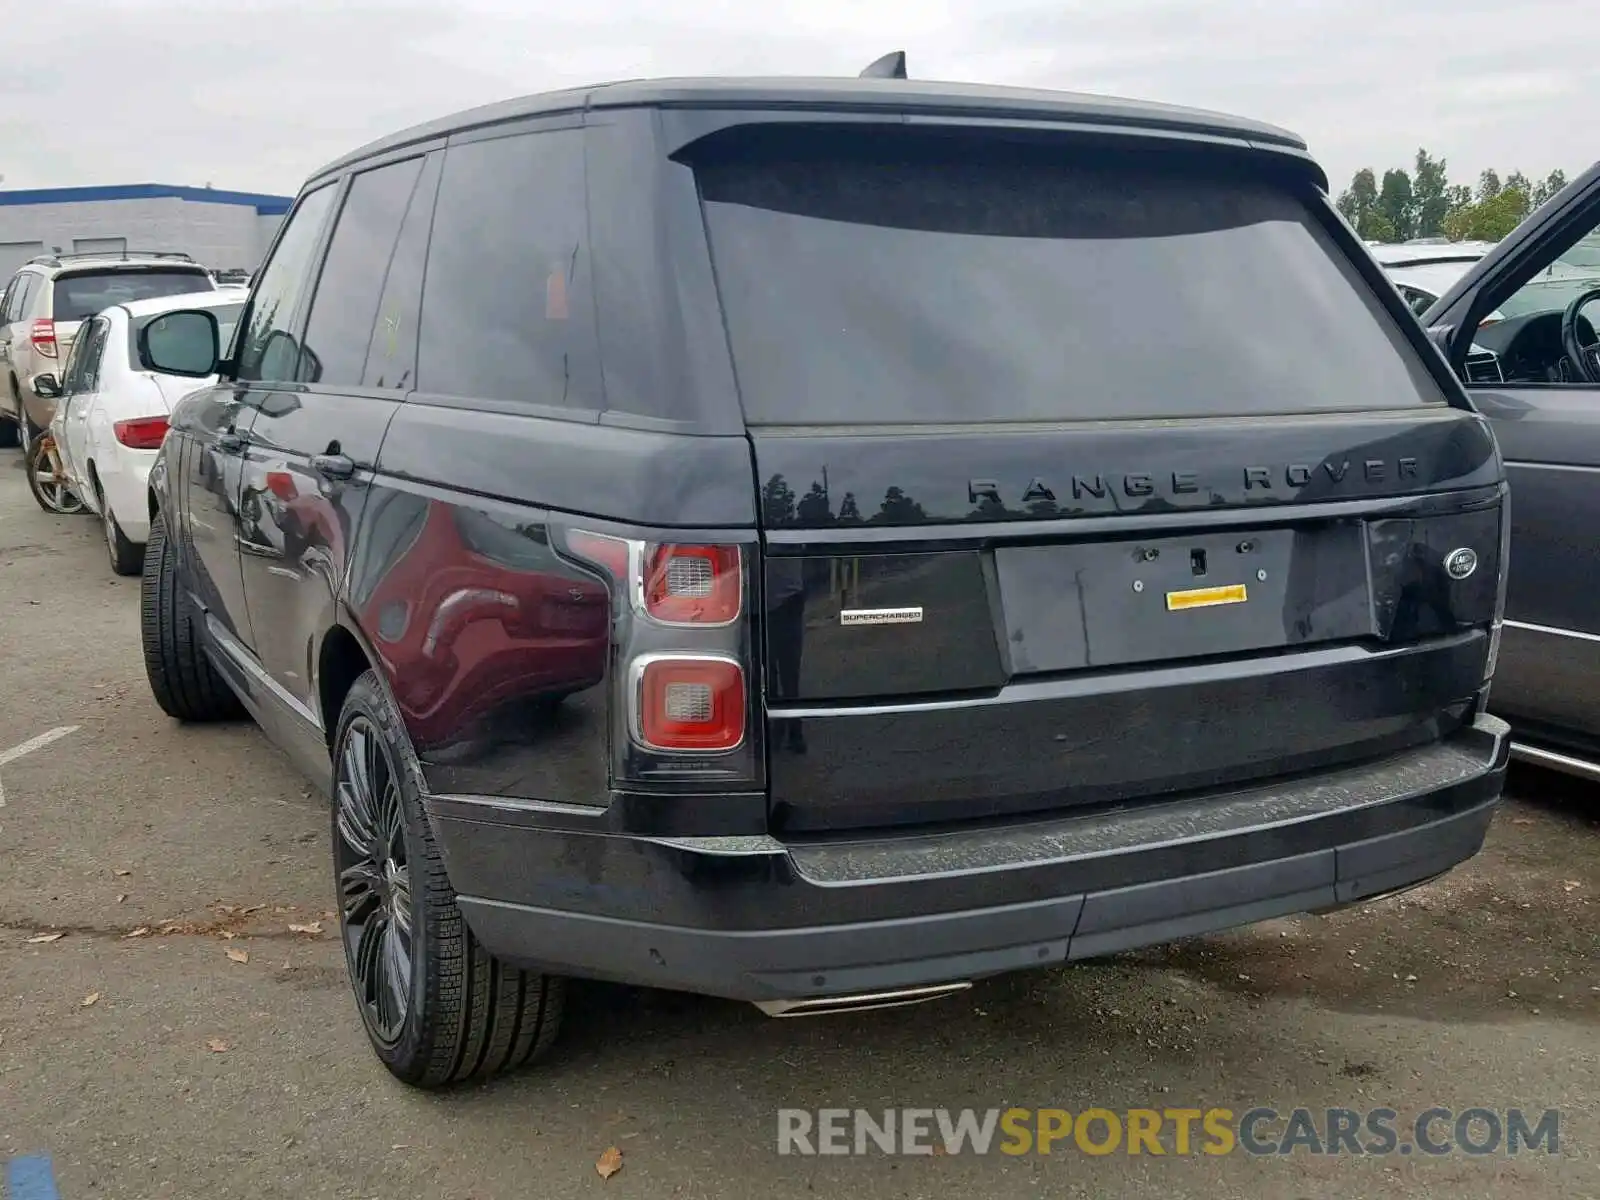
(166,855)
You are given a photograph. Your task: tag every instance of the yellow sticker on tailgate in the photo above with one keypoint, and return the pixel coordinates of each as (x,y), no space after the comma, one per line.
(1207,597)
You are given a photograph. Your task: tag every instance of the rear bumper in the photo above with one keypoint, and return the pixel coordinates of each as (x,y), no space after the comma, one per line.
(755,919)
(125,479)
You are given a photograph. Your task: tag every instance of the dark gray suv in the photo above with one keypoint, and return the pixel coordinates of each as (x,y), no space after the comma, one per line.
(823,542)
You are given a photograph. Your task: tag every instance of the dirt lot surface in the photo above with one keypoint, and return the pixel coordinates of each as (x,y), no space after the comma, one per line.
(180,1039)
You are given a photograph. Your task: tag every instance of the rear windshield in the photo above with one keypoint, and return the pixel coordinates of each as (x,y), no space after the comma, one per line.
(227,316)
(874,278)
(80,296)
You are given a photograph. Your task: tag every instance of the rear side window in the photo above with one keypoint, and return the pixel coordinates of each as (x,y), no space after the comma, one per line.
(80,295)
(871,278)
(346,304)
(507,309)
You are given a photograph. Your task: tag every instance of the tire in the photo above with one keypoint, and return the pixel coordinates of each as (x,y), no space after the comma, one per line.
(54,497)
(127,558)
(463,1013)
(185,683)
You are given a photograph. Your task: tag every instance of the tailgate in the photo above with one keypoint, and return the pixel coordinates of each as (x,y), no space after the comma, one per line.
(1186,618)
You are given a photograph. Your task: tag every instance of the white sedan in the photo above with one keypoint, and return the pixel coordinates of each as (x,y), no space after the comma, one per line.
(111,417)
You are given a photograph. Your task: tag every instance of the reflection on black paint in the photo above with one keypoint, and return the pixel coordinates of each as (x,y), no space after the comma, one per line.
(494,647)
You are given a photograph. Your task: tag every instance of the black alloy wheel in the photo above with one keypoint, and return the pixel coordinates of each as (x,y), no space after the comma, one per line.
(374,881)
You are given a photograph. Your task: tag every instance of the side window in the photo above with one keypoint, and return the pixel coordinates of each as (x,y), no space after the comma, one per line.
(94,353)
(392,357)
(353,273)
(28,286)
(267,348)
(507,313)
(72,369)
(13,290)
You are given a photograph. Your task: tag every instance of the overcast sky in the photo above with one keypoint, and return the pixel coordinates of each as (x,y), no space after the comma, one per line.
(254,94)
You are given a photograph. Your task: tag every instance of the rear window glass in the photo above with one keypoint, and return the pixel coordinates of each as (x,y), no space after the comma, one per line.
(883,278)
(80,296)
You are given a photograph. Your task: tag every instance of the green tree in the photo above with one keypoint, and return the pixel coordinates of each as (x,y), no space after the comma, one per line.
(1430,188)
(1488,220)
(1488,185)
(1548,187)
(1358,200)
(849,510)
(1397,205)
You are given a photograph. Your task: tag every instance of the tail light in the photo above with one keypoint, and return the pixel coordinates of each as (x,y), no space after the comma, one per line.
(693,585)
(43,336)
(688,704)
(683,657)
(141,433)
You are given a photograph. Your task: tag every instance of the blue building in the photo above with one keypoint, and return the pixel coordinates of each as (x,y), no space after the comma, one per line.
(223,230)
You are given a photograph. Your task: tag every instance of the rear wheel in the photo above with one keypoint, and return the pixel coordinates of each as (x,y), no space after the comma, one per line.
(47,478)
(438,1008)
(185,683)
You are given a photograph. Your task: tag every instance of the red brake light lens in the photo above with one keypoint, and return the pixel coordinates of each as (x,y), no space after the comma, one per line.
(694,704)
(693,585)
(141,433)
(43,336)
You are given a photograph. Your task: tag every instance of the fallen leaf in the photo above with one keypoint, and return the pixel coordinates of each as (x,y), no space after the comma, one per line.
(609,1163)
(1522,820)
(1571,885)
(142,931)
(40,939)
(90,1000)
(239,956)
(313,927)
(122,897)
(122,872)
(228,935)
(217,1046)
(254,908)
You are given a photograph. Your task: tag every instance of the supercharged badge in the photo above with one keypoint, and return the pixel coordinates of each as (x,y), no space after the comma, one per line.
(880,616)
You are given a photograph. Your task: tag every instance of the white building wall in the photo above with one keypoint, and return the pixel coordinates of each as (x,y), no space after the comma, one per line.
(221,236)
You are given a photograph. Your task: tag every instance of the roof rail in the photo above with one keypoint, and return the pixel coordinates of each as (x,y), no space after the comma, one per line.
(890,66)
(56,260)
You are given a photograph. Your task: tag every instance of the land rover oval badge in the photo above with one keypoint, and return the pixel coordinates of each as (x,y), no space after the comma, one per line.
(1458,564)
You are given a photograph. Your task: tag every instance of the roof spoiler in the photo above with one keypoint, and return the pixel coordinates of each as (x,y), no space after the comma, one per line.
(890,66)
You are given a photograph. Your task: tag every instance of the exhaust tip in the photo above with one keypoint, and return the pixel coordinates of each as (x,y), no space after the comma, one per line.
(820,1006)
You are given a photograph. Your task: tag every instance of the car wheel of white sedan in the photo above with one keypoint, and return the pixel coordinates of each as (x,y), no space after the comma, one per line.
(127,558)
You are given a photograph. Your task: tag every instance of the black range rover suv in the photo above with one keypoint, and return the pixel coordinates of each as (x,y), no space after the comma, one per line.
(824,542)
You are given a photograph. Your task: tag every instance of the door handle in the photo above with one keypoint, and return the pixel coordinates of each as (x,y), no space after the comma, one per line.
(333,466)
(230,442)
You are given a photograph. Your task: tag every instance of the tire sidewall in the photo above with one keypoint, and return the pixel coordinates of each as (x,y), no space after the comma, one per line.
(411,1052)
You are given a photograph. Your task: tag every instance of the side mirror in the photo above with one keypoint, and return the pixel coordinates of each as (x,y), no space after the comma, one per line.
(183,343)
(46,387)
(1441,336)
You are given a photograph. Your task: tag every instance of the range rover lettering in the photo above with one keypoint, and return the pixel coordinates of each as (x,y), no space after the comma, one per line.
(749,537)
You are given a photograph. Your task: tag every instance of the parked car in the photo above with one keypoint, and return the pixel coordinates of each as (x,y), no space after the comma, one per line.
(111,414)
(1114,659)
(1545,408)
(45,302)
(1424,270)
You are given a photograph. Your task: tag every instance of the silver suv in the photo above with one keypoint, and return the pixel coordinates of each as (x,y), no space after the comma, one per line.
(45,302)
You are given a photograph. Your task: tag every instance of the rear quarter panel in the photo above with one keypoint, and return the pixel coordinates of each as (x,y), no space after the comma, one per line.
(496,650)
